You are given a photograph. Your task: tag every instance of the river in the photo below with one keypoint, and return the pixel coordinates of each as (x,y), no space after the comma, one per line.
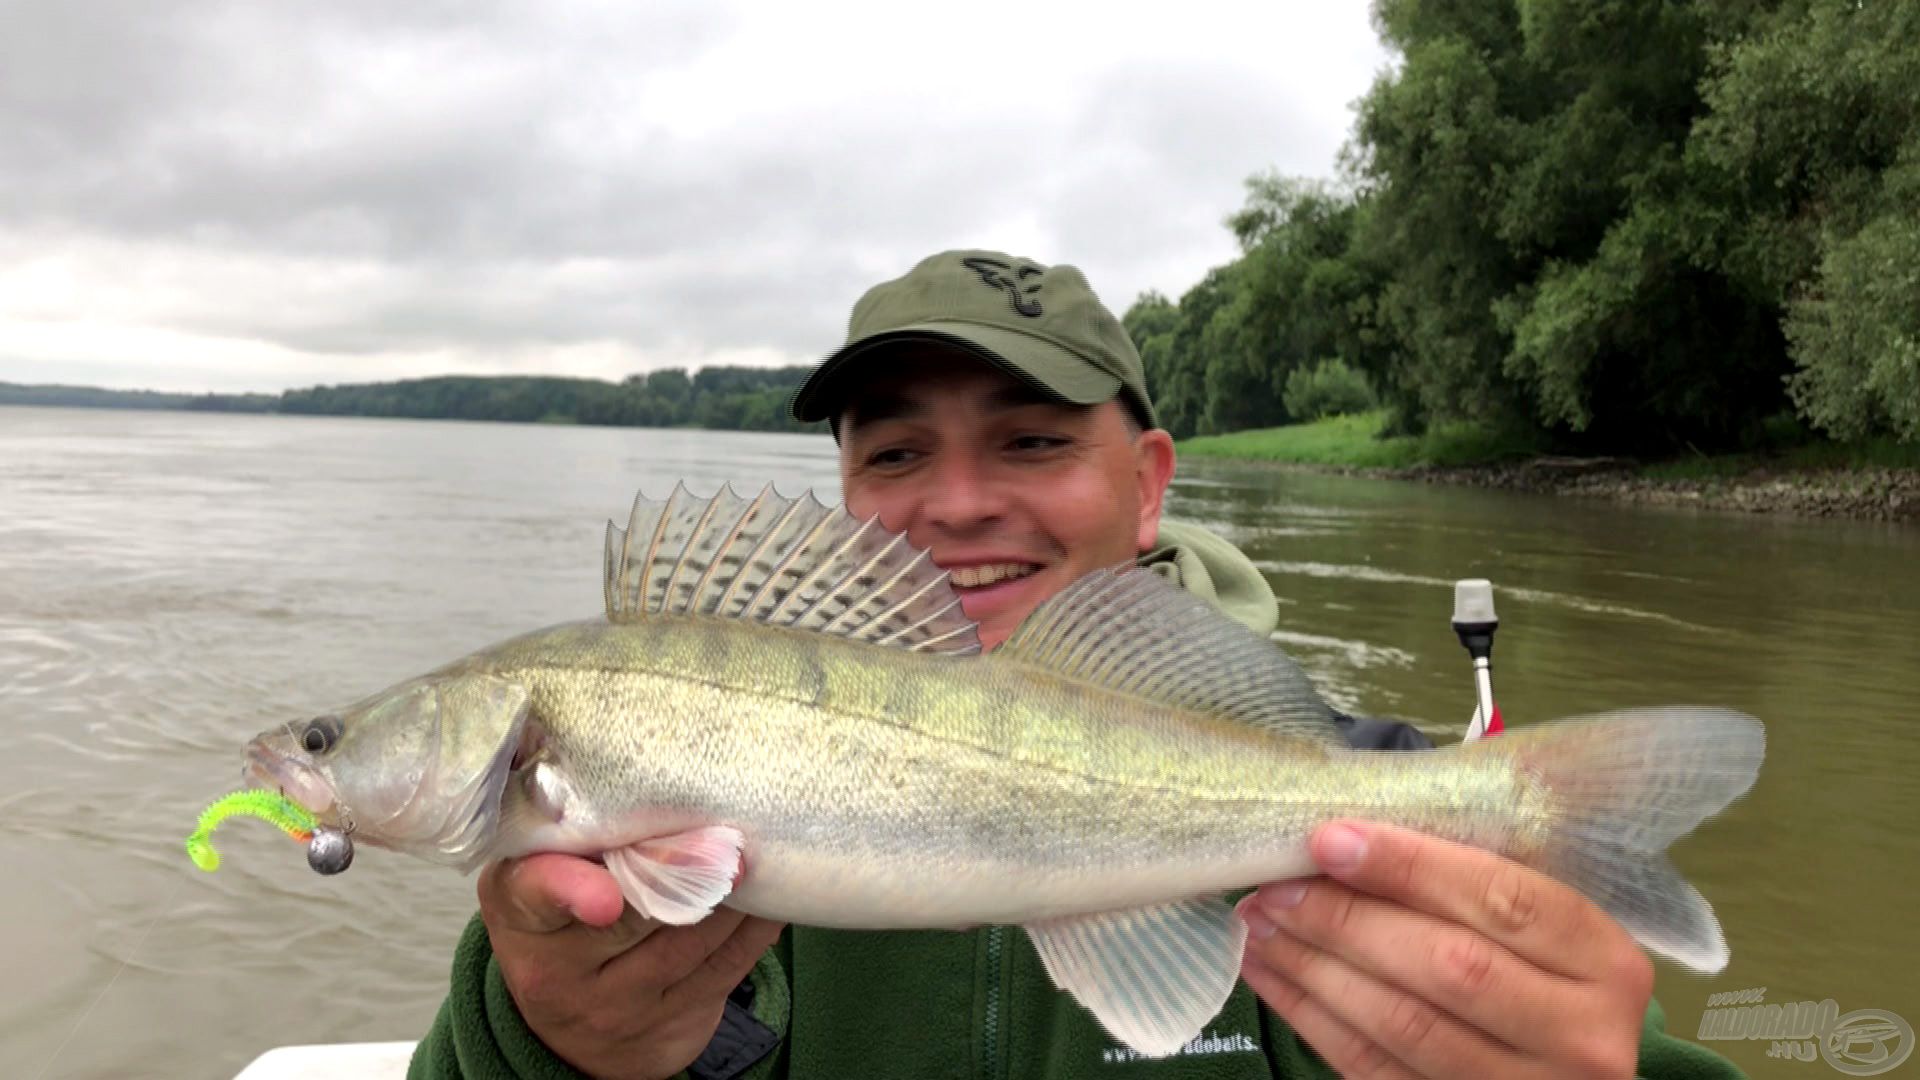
(171,583)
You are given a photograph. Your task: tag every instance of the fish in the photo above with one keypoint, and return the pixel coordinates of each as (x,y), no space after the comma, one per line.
(786,710)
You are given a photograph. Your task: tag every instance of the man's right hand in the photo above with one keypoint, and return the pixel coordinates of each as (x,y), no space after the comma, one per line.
(616,995)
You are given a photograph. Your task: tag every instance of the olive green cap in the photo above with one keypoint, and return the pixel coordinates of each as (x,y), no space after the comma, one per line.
(1040,323)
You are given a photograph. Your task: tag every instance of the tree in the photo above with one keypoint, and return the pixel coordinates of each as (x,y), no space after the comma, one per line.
(1547,239)
(671,386)
(1814,140)
(1630,225)
(1329,388)
(1220,359)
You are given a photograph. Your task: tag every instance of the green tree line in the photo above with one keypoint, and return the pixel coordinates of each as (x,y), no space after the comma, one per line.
(1635,225)
(733,398)
(93,397)
(730,398)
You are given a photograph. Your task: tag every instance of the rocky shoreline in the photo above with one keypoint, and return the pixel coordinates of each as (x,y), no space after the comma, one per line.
(1871,494)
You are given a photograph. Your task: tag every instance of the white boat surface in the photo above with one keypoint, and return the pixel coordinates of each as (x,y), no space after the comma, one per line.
(371,1061)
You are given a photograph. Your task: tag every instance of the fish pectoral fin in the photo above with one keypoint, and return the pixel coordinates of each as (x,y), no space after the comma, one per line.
(681,878)
(1152,976)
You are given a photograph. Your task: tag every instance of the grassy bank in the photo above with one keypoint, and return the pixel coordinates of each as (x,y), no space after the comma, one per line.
(1810,457)
(1789,473)
(1354,442)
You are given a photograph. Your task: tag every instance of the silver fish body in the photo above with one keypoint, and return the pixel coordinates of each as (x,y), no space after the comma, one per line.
(879,788)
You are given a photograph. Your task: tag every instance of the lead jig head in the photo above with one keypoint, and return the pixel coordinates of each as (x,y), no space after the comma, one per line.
(329,851)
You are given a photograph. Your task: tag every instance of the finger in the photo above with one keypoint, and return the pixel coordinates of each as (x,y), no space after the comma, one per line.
(1458,970)
(545,892)
(627,932)
(729,963)
(1385,1020)
(673,953)
(1541,920)
(567,909)
(1344,1049)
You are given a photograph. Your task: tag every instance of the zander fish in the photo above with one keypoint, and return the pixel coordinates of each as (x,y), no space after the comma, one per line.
(786,711)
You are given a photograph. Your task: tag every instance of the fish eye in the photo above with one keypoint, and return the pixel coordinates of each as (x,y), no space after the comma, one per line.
(320,734)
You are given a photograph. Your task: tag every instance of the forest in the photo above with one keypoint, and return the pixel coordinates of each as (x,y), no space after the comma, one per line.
(1625,226)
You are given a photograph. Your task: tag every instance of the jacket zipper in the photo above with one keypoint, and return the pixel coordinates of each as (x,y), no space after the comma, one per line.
(990,1066)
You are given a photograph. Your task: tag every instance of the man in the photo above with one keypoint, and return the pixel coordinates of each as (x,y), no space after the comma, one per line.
(993,410)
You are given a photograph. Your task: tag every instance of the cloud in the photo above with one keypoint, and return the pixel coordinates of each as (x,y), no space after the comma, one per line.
(239,196)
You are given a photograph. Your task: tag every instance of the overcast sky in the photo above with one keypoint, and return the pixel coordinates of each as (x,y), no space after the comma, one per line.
(243,196)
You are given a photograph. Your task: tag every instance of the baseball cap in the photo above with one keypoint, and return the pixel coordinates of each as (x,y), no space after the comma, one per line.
(1042,324)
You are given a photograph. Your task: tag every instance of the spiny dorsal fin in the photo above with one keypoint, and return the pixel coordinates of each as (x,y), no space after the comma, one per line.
(791,562)
(1129,630)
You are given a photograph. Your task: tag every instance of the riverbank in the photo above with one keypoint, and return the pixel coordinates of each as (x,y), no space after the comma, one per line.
(1876,481)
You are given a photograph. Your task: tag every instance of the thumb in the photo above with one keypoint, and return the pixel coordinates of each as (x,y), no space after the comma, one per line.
(542,893)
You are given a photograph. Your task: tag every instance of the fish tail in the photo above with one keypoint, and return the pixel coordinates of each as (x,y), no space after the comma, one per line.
(1624,786)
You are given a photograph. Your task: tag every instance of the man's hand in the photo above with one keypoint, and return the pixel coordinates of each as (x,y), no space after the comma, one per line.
(614,994)
(1424,958)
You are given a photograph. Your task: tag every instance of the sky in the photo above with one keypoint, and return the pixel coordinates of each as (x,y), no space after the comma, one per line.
(232,196)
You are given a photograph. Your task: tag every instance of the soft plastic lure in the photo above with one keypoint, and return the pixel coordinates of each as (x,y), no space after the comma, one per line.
(291,817)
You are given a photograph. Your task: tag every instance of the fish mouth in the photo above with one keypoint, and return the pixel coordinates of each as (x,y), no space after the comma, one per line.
(269,770)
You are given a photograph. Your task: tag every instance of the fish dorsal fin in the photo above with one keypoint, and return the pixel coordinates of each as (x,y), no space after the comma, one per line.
(1131,631)
(790,562)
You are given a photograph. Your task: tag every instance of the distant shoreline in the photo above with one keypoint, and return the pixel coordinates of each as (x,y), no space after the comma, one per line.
(64,396)
(1342,446)
(275,414)
(1873,482)
(711,399)
(1863,494)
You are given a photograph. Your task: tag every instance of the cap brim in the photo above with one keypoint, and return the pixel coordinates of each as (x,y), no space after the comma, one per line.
(1055,370)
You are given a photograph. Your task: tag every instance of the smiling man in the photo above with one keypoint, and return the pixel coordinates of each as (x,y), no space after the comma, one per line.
(1013,495)
(993,410)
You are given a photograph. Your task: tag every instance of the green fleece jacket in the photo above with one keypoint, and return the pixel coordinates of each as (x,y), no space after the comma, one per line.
(933,1005)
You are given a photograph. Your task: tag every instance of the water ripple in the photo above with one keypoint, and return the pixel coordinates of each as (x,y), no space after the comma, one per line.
(1361,572)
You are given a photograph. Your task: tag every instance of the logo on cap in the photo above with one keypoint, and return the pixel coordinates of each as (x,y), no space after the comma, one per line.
(995,274)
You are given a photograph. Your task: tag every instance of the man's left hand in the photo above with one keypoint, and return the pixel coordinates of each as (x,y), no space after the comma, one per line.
(1418,957)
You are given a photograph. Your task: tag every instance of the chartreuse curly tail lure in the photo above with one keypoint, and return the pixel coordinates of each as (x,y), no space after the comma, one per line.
(290,816)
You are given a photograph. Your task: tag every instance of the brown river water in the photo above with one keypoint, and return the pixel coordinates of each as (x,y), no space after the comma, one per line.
(171,583)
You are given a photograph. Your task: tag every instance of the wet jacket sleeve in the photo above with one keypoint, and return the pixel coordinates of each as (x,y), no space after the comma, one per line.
(480,1035)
